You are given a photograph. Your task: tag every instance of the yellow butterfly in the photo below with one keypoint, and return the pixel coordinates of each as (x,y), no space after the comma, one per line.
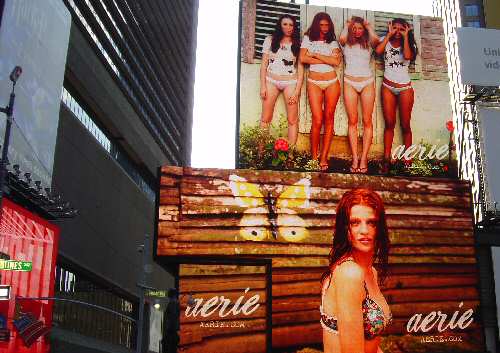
(269,217)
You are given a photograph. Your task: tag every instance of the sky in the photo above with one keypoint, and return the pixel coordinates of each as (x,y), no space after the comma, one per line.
(214,112)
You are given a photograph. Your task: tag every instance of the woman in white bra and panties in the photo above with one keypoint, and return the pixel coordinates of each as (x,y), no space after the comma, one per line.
(357,40)
(321,51)
(399,50)
(281,72)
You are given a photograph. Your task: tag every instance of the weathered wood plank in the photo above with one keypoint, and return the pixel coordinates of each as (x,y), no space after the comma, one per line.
(216,270)
(248,343)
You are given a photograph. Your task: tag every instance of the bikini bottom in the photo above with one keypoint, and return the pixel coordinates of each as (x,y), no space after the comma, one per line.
(323,84)
(396,90)
(281,85)
(359,85)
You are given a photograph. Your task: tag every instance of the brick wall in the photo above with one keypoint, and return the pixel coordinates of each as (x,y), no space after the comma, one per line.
(433,49)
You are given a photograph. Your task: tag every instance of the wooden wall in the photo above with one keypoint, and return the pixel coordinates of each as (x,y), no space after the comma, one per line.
(432,257)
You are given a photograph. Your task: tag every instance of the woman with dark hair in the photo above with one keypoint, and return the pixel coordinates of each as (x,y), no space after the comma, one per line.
(357,40)
(321,52)
(280,71)
(399,49)
(353,310)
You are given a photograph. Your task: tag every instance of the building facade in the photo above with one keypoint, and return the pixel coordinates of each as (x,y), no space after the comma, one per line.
(465,102)
(125,109)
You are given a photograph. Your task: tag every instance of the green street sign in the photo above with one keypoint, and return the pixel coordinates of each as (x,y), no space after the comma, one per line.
(156,293)
(14,265)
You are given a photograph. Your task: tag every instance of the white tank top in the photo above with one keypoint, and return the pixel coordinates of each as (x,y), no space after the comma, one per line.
(396,66)
(357,61)
(319,47)
(283,61)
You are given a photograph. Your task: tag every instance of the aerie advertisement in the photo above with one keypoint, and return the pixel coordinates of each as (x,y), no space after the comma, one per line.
(343,90)
(310,262)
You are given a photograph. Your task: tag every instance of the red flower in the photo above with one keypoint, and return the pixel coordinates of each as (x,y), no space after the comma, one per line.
(445,168)
(449,125)
(281,145)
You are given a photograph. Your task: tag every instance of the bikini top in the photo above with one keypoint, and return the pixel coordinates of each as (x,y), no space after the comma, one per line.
(374,319)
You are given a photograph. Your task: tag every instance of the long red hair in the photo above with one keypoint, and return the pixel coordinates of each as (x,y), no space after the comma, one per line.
(341,247)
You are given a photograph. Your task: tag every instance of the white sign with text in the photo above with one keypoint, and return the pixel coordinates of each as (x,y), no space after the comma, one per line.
(479,53)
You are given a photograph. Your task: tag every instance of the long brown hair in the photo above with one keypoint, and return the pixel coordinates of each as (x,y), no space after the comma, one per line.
(278,35)
(341,247)
(351,39)
(314,30)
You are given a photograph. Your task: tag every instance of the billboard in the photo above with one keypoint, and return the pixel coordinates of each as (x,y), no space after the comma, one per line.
(367,94)
(30,245)
(33,35)
(489,117)
(479,53)
(253,247)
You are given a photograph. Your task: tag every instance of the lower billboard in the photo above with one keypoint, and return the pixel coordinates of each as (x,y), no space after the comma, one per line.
(274,261)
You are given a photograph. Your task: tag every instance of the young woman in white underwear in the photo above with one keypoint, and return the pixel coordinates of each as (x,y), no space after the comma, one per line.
(321,52)
(357,40)
(399,49)
(281,72)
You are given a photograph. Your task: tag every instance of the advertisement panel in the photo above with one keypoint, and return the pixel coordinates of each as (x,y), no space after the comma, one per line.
(31,244)
(368,93)
(479,54)
(489,118)
(422,295)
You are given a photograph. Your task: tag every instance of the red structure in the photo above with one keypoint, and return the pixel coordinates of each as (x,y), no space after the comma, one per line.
(27,237)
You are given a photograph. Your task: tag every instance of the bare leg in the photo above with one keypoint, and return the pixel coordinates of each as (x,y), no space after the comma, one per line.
(406,99)
(332,95)
(316,103)
(389,102)
(351,107)
(367,104)
(268,110)
(292,112)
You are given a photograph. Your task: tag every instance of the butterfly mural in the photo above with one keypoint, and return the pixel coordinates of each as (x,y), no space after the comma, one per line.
(268,217)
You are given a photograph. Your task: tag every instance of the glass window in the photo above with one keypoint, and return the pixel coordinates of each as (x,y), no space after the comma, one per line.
(471,10)
(476,24)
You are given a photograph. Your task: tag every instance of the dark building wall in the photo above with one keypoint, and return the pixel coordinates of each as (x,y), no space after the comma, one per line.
(114,212)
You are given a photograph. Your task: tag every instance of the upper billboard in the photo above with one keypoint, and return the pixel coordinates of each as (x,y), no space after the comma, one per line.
(479,53)
(343,90)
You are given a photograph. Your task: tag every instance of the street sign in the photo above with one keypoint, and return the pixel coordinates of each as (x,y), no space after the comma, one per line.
(156,293)
(14,265)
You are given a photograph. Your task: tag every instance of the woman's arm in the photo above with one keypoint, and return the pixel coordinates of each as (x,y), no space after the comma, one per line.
(300,79)
(349,292)
(307,58)
(335,59)
(372,36)
(344,33)
(407,52)
(263,72)
(380,48)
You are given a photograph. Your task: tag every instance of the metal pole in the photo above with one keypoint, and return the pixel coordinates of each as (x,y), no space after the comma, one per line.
(145,269)
(6,141)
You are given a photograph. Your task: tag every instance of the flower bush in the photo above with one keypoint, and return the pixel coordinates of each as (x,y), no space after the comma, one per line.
(260,149)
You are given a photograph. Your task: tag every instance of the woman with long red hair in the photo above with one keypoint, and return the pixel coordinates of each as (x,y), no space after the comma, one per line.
(321,52)
(354,312)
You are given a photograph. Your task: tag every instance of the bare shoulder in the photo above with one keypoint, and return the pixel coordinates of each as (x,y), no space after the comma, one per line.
(348,271)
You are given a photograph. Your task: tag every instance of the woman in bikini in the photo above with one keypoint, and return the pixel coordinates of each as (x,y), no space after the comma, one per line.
(280,71)
(399,49)
(321,52)
(354,312)
(357,40)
